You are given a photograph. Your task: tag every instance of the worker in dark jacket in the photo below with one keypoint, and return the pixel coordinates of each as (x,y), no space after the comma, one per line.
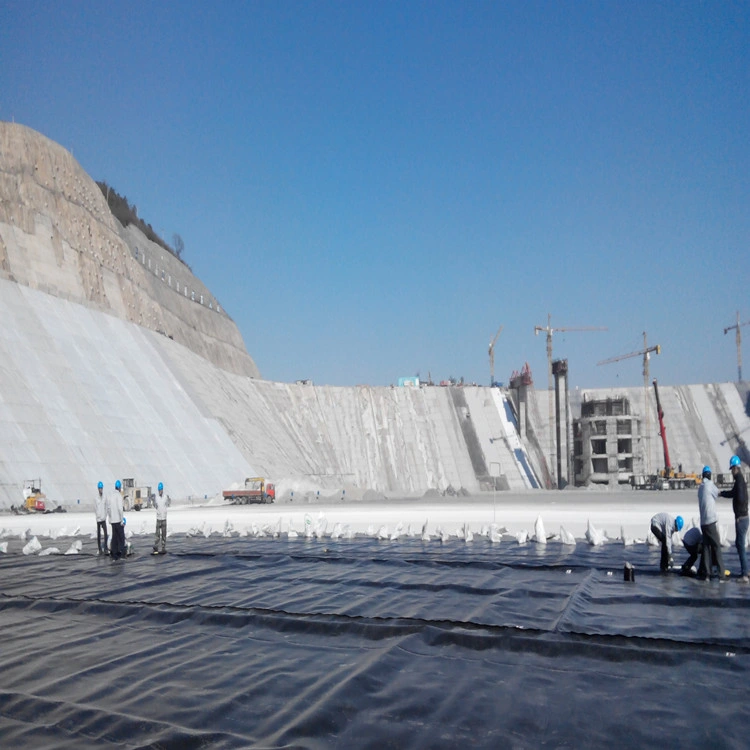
(662,527)
(738,493)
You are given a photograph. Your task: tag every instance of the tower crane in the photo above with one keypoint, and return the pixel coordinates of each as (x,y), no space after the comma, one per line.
(646,354)
(492,356)
(549,330)
(738,325)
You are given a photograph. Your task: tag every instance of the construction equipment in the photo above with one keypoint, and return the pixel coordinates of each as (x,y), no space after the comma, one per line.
(135,497)
(646,354)
(738,325)
(140,497)
(34,498)
(256,490)
(549,331)
(668,478)
(662,431)
(492,357)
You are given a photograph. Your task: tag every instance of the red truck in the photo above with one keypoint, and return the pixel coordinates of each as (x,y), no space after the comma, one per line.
(256,490)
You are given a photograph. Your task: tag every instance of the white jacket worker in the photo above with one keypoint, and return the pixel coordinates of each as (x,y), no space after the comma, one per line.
(662,527)
(707,494)
(160,502)
(100,511)
(115,513)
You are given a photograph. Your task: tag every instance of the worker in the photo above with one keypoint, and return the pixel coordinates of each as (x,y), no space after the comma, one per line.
(160,502)
(115,513)
(662,527)
(693,543)
(738,493)
(707,494)
(100,511)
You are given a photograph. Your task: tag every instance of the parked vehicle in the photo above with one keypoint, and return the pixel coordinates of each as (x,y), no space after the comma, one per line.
(34,498)
(256,490)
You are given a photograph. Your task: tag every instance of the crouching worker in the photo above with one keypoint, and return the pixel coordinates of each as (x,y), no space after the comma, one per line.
(693,543)
(161,521)
(662,527)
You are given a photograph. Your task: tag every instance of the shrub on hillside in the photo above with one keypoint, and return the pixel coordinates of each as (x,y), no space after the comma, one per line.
(126,214)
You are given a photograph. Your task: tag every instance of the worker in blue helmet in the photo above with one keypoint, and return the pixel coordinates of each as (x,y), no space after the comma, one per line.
(115,512)
(160,539)
(100,511)
(662,527)
(712,557)
(692,540)
(738,493)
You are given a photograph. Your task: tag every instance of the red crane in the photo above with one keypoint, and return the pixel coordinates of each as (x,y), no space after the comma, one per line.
(663,433)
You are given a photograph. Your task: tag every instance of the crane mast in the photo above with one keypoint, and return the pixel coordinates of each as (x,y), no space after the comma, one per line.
(492,356)
(738,339)
(549,330)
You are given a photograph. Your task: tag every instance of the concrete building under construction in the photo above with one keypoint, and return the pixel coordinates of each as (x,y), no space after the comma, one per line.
(606,442)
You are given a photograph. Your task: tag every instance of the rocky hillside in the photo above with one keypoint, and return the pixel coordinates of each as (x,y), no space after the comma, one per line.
(58,235)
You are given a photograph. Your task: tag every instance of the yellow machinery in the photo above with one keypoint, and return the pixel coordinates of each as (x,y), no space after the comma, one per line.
(34,498)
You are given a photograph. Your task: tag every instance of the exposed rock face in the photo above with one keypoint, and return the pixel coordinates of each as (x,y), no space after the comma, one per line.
(58,235)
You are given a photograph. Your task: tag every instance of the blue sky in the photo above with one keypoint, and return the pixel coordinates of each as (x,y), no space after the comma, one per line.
(372,189)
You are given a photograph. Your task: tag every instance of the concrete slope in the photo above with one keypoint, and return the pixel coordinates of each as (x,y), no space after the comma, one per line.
(395,440)
(85,396)
(495,424)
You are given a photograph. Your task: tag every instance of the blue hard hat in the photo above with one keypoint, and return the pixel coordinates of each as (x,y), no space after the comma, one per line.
(100,486)
(734,461)
(160,487)
(707,470)
(118,485)
(678,523)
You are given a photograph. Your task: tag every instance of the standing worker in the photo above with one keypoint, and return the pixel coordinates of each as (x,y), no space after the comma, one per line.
(100,510)
(707,494)
(115,513)
(161,521)
(662,527)
(738,493)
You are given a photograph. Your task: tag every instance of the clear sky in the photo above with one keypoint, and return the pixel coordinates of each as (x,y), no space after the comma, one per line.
(372,189)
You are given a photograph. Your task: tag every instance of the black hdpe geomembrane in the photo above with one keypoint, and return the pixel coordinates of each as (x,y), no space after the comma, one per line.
(237,642)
